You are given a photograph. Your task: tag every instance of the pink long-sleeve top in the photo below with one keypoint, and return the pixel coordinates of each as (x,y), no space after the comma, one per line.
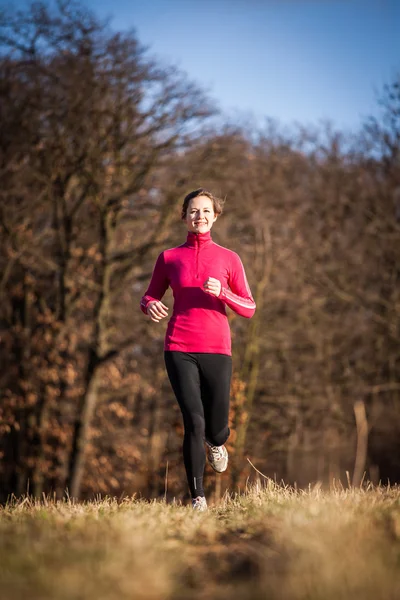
(199,322)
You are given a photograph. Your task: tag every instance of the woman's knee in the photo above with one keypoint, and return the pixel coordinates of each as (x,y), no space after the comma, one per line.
(219,438)
(195,424)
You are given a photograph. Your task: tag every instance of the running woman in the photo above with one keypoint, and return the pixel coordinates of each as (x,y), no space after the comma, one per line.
(205,278)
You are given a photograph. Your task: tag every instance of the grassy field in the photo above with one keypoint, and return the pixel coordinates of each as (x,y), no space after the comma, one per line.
(271,542)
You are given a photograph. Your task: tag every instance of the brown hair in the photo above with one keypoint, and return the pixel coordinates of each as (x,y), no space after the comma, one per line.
(217,202)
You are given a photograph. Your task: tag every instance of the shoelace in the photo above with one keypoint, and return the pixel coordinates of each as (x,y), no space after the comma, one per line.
(217,452)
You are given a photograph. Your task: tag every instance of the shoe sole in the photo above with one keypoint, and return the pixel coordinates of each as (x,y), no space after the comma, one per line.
(218,470)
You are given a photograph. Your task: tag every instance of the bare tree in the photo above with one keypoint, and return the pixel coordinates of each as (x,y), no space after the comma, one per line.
(101,118)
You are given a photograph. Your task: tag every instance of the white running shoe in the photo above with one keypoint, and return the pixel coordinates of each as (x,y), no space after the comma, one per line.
(199,503)
(217,457)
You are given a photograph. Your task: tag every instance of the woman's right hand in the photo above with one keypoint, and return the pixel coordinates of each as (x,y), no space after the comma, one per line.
(157,310)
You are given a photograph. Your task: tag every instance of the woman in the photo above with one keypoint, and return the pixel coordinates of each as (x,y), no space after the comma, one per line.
(204,277)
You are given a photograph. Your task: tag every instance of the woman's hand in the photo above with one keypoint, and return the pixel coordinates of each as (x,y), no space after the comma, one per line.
(157,310)
(212,286)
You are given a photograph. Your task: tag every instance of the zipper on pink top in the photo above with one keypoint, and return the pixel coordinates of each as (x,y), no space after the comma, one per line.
(197,257)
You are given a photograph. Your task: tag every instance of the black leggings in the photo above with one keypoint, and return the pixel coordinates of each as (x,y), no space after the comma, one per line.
(201,384)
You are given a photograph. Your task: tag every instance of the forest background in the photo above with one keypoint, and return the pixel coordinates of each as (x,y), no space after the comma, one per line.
(98,146)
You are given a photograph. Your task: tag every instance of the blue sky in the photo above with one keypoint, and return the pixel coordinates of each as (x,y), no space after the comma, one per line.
(293,60)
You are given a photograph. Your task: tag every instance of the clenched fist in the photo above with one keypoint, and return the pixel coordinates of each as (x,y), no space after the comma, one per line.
(157,310)
(212,286)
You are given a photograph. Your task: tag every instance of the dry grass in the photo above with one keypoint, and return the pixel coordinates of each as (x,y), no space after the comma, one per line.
(271,542)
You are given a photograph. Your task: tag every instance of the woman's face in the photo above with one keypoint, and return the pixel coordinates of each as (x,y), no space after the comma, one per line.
(200,215)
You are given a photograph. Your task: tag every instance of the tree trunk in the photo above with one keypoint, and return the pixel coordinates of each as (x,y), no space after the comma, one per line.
(80,438)
(362,442)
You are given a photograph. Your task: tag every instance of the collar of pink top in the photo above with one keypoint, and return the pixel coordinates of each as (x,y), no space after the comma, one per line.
(194,240)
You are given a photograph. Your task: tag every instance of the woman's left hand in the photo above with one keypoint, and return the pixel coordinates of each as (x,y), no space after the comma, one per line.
(212,286)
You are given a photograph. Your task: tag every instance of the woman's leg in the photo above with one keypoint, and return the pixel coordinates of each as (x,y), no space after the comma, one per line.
(215,378)
(183,373)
